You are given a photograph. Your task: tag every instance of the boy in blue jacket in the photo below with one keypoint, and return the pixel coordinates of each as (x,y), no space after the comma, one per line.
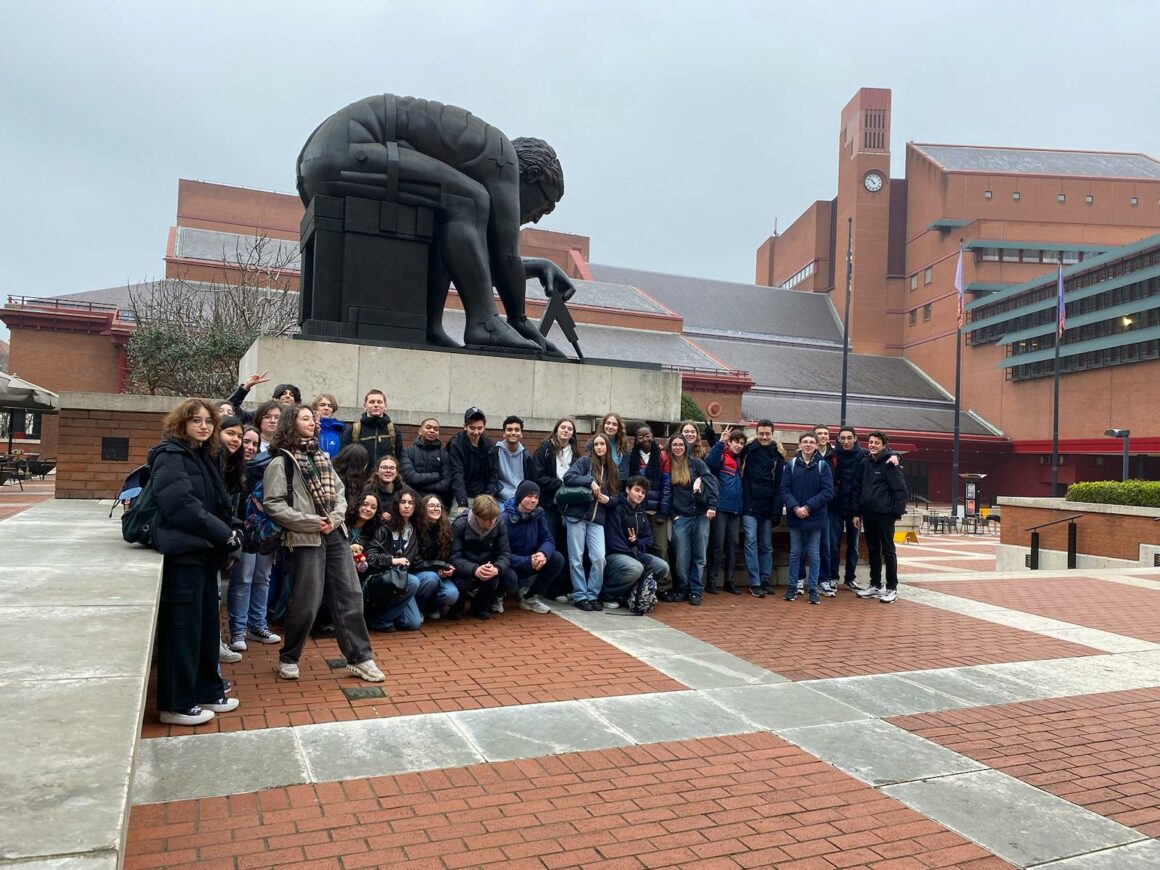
(627,539)
(536,565)
(807,486)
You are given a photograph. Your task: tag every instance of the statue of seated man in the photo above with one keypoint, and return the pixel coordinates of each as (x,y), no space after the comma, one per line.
(482,187)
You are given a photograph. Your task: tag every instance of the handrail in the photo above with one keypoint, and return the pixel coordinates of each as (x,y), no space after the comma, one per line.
(1053,522)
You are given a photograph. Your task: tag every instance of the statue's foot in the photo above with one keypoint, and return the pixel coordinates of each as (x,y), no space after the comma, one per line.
(493,332)
(436,337)
(529,331)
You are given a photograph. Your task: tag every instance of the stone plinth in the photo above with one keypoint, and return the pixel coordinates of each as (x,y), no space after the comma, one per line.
(442,383)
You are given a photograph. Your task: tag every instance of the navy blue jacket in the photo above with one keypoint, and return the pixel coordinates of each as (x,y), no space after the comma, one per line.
(761,481)
(580,474)
(684,504)
(527,534)
(729,478)
(618,519)
(810,484)
(660,494)
(848,480)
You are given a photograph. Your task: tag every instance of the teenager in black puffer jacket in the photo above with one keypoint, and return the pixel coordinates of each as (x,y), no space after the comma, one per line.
(195,530)
(425,465)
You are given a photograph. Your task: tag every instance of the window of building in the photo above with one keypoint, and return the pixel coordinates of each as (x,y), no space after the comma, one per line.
(913,316)
(1015,195)
(914,281)
(1135,200)
(1010,255)
(926,311)
(986,194)
(1062,197)
(990,255)
(927,275)
(1070,257)
(1031,256)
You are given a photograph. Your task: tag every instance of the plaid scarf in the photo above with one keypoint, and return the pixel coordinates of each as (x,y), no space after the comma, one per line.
(321,480)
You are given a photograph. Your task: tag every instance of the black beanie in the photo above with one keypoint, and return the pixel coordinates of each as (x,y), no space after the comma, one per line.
(526,488)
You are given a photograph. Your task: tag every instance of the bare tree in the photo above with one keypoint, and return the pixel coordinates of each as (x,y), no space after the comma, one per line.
(190,335)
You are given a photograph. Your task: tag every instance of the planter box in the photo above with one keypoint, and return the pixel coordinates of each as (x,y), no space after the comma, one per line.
(1108,536)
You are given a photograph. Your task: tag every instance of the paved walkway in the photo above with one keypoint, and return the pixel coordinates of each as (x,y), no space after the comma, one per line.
(983,720)
(16,497)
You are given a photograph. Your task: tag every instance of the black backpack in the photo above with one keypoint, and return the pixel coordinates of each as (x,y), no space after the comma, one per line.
(643,597)
(140,507)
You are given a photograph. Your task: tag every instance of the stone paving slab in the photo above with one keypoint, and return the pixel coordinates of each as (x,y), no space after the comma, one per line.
(179,768)
(981,685)
(66,586)
(886,695)
(788,705)
(1015,821)
(93,642)
(543,729)
(1136,856)
(671,716)
(878,753)
(383,747)
(67,756)
(102,861)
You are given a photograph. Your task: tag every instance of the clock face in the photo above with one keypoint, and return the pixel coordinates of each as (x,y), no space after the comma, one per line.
(873,182)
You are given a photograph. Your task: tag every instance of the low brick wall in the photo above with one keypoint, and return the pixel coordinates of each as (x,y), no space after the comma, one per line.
(88,418)
(1107,531)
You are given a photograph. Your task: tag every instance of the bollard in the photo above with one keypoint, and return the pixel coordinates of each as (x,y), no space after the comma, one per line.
(1035,551)
(1071,538)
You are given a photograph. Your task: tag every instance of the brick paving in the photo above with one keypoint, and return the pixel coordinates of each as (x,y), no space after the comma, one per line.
(514,658)
(1097,751)
(846,636)
(745,801)
(13,500)
(1102,604)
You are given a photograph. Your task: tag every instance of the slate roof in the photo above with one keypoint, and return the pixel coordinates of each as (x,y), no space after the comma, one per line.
(772,365)
(861,415)
(191,243)
(1028,161)
(733,307)
(603,294)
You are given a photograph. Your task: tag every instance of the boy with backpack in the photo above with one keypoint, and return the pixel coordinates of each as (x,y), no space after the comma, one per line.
(627,539)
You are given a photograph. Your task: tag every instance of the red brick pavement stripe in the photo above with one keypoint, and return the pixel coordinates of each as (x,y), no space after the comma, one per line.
(1102,604)
(1098,751)
(846,636)
(514,658)
(743,801)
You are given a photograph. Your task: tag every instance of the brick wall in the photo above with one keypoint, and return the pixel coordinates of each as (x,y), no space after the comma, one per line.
(1108,534)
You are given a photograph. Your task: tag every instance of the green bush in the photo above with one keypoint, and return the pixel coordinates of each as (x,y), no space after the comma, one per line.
(690,410)
(1138,493)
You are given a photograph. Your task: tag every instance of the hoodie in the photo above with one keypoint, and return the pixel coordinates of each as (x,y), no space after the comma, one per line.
(330,432)
(514,469)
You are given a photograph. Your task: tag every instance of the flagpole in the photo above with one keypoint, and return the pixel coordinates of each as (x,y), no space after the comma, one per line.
(958,384)
(1059,316)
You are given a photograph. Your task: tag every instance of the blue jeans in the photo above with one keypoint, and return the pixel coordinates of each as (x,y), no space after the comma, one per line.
(402,613)
(804,544)
(248,592)
(624,570)
(690,540)
(758,549)
(585,535)
(826,571)
(435,592)
(838,524)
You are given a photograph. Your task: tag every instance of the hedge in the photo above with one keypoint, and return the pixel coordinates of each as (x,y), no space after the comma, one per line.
(1138,493)
(690,410)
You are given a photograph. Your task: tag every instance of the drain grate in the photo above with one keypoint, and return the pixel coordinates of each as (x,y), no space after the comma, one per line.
(363,693)
(335,664)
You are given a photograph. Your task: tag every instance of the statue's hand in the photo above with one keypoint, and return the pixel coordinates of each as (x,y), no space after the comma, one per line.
(551,276)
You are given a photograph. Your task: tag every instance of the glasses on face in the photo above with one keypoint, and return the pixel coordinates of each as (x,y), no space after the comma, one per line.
(201,421)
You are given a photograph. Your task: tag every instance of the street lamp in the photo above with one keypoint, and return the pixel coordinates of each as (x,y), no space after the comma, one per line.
(1121,433)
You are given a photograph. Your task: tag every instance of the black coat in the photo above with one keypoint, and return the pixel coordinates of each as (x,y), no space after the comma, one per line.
(426,468)
(469,550)
(194,516)
(544,471)
(761,481)
(883,487)
(848,480)
(474,470)
(374,433)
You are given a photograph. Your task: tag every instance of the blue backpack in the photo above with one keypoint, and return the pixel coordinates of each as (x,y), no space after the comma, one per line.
(260,534)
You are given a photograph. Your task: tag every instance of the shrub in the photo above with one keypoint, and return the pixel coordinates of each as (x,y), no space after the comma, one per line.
(1138,493)
(690,410)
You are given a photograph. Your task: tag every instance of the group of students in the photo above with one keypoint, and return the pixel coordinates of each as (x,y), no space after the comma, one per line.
(378,536)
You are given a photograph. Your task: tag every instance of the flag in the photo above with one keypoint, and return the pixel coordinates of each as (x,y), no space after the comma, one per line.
(959,287)
(1062,322)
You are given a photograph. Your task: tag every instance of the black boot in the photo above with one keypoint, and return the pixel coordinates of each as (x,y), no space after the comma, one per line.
(730,588)
(711,588)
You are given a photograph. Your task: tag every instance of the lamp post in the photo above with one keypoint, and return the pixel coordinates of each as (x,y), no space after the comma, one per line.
(1121,433)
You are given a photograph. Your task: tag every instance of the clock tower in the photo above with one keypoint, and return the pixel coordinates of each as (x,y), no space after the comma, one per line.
(864,199)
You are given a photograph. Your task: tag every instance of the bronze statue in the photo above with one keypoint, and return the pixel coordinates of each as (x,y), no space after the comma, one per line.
(481,187)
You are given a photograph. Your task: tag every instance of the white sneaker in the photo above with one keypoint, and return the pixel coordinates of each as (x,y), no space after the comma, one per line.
(826,589)
(534,605)
(225,654)
(192,716)
(611,605)
(563,599)
(801,589)
(888,596)
(367,670)
(869,592)
(288,670)
(223,705)
(497,605)
(238,643)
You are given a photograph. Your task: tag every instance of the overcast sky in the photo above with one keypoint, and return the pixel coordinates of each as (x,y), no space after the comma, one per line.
(684,128)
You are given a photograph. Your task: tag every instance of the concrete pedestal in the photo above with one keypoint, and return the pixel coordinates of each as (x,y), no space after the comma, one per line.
(442,383)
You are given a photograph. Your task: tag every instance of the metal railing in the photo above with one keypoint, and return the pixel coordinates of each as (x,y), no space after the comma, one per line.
(1033,558)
